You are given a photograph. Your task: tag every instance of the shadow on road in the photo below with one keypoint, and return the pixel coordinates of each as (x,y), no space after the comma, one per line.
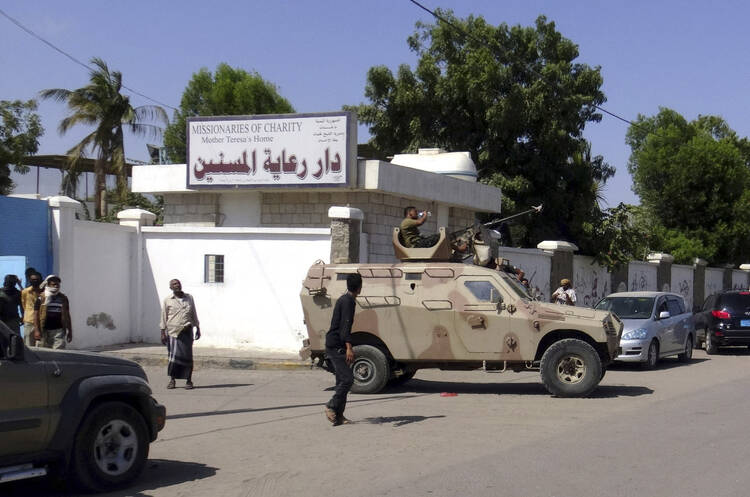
(663,364)
(224,385)
(398,420)
(159,473)
(276,408)
(425,386)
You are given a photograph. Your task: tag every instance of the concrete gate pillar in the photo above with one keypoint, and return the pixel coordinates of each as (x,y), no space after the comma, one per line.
(663,270)
(346,227)
(699,282)
(562,261)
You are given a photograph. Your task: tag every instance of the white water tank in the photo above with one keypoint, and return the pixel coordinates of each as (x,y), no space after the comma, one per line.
(436,160)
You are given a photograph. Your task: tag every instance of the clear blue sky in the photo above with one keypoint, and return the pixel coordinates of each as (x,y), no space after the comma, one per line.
(690,56)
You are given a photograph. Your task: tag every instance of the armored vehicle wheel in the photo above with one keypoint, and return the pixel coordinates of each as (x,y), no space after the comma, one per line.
(371,371)
(571,368)
(111,447)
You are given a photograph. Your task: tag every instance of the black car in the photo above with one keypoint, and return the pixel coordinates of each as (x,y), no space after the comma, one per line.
(83,416)
(724,320)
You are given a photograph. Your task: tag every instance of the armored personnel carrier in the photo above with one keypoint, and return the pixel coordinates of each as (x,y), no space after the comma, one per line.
(428,312)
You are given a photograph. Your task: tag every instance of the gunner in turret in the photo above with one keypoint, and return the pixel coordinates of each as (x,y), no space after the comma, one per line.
(410,229)
(411,238)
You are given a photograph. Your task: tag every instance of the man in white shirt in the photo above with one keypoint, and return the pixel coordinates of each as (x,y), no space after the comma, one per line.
(565,295)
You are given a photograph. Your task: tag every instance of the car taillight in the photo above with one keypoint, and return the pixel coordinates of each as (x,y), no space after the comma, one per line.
(744,293)
(720,314)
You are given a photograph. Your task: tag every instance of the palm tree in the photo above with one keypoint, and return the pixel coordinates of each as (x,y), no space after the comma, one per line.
(100,104)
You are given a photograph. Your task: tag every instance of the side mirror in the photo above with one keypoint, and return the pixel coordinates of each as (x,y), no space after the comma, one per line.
(664,315)
(15,350)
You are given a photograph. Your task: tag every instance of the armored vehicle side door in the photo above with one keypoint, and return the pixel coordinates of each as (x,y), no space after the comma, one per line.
(24,410)
(479,318)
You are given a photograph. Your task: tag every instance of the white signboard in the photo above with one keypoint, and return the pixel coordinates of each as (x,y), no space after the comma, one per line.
(271,150)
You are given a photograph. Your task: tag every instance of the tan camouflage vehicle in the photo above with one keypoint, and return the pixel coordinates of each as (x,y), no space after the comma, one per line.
(426,313)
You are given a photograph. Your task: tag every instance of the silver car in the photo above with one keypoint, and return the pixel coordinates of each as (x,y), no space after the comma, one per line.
(657,324)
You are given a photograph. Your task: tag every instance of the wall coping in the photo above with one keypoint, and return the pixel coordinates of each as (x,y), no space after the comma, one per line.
(235,231)
(557,246)
(336,212)
(140,216)
(657,257)
(61,201)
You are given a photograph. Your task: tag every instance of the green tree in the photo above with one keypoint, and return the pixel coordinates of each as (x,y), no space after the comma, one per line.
(513,97)
(694,177)
(102,105)
(227,92)
(20,130)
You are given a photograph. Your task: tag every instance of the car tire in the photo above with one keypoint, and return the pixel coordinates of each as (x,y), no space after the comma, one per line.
(688,354)
(110,448)
(400,380)
(571,368)
(711,347)
(652,356)
(370,368)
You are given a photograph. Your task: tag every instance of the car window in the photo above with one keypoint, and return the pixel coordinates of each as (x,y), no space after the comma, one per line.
(709,303)
(628,307)
(516,285)
(661,306)
(737,302)
(673,307)
(483,291)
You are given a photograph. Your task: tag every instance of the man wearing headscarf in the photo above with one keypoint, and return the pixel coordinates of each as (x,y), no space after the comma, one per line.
(565,295)
(52,323)
(10,303)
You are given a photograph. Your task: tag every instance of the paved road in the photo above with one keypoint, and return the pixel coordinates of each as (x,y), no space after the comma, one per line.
(680,430)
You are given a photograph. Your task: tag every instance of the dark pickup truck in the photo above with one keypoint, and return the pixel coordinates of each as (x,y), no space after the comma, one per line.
(78,415)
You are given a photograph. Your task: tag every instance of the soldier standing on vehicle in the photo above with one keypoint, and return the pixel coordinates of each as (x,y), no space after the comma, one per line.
(339,349)
(565,295)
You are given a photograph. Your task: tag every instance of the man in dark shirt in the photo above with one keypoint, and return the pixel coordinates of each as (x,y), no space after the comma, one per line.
(10,303)
(339,349)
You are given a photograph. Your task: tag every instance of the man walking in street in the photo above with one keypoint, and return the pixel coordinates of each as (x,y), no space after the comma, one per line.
(52,323)
(178,317)
(10,303)
(29,296)
(339,348)
(565,295)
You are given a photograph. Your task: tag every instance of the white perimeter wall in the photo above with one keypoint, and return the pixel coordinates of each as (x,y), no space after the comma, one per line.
(682,283)
(99,284)
(641,277)
(590,281)
(257,306)
(535,263)
(714,281)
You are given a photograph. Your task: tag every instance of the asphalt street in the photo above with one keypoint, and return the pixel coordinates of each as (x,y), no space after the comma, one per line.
(680,430)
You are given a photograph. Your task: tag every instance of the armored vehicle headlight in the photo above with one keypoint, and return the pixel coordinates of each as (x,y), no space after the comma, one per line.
(638,334)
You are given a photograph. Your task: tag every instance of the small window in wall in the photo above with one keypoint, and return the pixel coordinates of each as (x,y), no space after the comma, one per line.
(213,268)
